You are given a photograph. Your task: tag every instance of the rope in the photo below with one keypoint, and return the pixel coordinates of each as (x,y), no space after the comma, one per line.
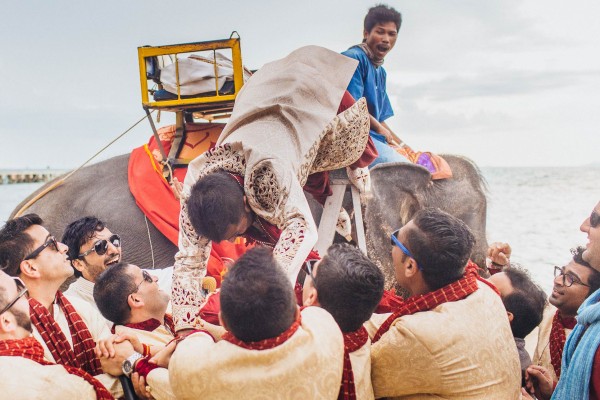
(150,240)
(62,180)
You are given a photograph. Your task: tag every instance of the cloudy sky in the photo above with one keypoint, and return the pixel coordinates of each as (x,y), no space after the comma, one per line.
(504,82)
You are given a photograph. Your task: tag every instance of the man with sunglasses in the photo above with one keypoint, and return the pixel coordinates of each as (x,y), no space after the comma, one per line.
(591,226)
(21,356)
(92,248)
(580,365)
(439,341)
(67,329)
(130,298)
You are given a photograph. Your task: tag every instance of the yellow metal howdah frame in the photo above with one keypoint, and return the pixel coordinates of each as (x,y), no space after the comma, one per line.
(189,103)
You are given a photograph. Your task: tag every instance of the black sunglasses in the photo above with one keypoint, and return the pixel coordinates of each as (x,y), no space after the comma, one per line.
(101,246)
(146,278)
(51,240)
(22,292)
(594,219)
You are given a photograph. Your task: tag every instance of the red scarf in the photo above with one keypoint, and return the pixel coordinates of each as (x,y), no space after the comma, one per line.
(151,324)
(352,342)
(32,350)
(558,339)
(82,354)
(266,343)
(454,291)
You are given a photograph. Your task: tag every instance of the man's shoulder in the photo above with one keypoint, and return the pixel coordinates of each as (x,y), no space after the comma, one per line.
(356,53)
(46,381)
(483,303)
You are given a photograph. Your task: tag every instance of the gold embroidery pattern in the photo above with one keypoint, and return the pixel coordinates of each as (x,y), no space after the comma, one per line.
(265,195)
(291,239)
(344,139)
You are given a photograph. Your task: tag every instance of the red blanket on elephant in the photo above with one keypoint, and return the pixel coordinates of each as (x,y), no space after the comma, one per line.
(153,194)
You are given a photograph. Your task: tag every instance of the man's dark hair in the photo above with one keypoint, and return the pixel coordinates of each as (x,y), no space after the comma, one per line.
(594,277)
(257,300)
(113,287)
(526,302)
(216,201)
(15,244)
(441,244)
(380,14)
(77,233)
(349,286)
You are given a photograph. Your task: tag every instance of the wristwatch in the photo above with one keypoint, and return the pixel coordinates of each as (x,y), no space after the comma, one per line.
(129,363)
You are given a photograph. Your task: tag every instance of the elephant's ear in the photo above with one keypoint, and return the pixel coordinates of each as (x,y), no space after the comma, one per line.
(399,186)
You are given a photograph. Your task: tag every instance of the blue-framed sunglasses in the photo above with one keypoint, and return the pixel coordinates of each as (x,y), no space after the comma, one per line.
(395,242)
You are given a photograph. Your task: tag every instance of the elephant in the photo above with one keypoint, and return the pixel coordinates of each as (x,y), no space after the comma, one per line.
(398,191)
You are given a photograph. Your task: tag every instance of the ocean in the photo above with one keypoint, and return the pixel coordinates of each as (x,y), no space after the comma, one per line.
(538,211)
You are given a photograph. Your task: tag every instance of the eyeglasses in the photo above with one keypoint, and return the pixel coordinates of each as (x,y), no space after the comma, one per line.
(146,278)
(22,292)
(51,240)
(308,267)
(101,246)
(594,219)
(568,279)
(395,242)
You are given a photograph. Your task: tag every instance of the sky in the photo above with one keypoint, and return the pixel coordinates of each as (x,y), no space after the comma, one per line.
(503,82)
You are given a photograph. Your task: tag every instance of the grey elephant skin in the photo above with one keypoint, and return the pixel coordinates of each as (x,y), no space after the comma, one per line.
(400,190)
(102,190)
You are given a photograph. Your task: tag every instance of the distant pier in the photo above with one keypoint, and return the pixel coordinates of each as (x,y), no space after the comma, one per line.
(8,176)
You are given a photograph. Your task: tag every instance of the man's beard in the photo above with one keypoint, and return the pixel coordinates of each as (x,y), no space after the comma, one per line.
(23,320)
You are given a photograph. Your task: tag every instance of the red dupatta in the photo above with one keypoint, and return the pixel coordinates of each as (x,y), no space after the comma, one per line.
(82,354)
(454,291)
(266,343)
(352,342)
(558,339)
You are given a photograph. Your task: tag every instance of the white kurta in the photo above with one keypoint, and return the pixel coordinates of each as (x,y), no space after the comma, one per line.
(24,379)
(283,128)
(306,366)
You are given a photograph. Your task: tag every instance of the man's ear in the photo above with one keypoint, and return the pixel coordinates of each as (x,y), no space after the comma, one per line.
(7,323)
(78,264)
(29,269)
(510,316)
(313,297)
(411,268)
(365,34)
(135,301)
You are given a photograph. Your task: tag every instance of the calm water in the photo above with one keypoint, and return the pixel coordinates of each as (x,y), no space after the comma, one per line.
(537,210)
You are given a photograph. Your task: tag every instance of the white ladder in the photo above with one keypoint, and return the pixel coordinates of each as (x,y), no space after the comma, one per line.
(339,184)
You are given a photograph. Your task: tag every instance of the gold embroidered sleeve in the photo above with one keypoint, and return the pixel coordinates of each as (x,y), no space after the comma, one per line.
(274,193)
(188,272)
